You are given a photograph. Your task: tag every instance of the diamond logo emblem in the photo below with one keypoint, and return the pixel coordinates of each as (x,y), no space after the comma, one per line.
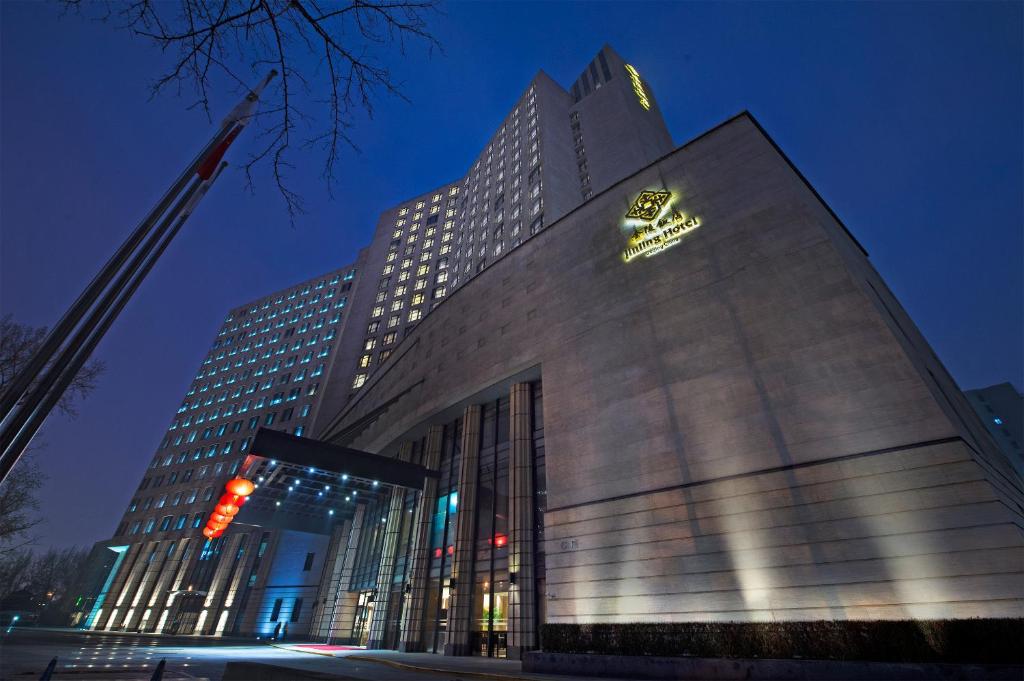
(648,205)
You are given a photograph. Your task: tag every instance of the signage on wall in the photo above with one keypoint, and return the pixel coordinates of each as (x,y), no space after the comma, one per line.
(638,87)
(654,225)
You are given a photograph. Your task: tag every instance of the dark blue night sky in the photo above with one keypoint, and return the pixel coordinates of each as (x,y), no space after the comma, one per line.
(907,118)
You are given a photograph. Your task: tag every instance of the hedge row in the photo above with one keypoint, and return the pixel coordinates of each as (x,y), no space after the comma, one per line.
(989,641)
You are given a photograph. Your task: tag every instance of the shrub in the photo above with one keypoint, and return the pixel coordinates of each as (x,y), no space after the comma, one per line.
(989,641)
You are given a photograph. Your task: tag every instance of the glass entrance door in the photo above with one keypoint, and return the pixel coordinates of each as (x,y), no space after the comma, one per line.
(364,615)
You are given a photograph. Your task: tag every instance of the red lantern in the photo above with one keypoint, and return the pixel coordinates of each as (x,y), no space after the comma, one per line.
(240,487)
(220,518)
(210,533)
(231,499)
(213,525)
(225,509)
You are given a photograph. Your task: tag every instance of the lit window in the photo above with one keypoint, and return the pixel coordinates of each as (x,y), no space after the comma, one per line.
(364,361)
(414,315)
(393,321)
(359,380)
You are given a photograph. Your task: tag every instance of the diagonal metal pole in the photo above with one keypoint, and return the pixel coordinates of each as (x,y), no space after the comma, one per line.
(15,392)
(20,401)
(87,344)
(36,395)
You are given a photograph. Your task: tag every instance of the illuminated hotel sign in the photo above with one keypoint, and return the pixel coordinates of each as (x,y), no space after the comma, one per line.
(655,225)
(638,87)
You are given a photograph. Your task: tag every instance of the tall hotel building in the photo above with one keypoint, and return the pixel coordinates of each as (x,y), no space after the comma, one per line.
(601,378)
(266,368)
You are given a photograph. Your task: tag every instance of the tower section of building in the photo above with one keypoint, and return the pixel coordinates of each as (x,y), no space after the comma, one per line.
(267,367)
(552,151)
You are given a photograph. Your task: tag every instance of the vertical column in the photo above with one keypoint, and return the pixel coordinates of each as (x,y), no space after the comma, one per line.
(412,617)
(168,595)
(343,617)
(137,556)
(219,584)
(389,550)
(522,603)
(330,582)
(139,609)
(461,602)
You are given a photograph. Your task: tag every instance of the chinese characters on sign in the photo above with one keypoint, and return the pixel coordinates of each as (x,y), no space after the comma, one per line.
(638,87)
(655,225)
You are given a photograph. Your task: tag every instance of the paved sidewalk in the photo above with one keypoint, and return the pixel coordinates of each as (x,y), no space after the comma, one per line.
(485,668)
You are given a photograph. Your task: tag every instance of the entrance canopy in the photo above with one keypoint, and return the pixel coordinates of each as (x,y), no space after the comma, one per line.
(308,485)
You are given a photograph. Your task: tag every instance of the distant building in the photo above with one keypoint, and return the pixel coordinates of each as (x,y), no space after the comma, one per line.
(1001,409)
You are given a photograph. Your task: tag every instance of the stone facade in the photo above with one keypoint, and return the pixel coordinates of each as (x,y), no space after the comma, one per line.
(746,426)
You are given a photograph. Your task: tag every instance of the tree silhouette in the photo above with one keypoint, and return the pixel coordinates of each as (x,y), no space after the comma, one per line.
(328,55)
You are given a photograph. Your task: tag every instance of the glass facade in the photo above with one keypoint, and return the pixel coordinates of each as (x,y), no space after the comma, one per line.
(488,580)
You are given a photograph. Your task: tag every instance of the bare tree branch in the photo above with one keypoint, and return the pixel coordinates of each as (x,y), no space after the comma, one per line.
(328,54)
(17,345)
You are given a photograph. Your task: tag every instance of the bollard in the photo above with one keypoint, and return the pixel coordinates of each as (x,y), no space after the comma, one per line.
(49,670)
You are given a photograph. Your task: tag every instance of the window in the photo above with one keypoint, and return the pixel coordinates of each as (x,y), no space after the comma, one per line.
(360,379)
(276,610)
(297,610)
(308,565)
(390,338)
